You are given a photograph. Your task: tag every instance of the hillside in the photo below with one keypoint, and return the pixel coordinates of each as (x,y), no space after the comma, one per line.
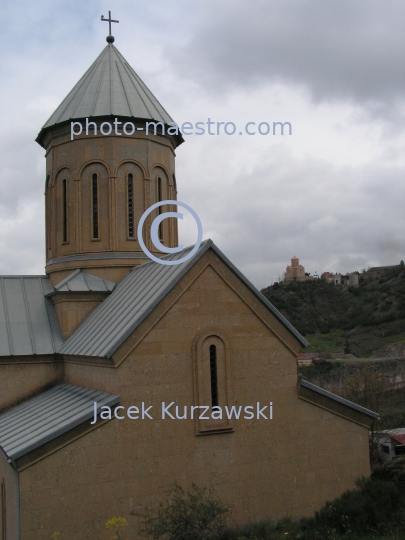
(364,320)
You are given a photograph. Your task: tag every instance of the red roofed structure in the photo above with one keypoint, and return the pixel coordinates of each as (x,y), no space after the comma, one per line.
(390,444)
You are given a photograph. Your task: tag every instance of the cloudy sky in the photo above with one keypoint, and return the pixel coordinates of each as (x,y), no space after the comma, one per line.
(332,193)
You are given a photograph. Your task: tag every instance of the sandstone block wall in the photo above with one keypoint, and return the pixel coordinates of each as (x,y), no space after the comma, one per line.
(265,468)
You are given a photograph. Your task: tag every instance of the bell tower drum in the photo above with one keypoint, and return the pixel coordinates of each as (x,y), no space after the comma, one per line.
(110,154)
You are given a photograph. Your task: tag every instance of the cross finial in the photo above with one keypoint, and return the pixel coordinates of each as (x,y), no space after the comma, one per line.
(110,38)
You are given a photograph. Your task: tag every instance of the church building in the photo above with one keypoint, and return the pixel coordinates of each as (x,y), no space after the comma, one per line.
(120,375)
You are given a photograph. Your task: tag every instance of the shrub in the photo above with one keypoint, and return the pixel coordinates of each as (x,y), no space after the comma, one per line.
(194,515)
(376,506)
(115,524)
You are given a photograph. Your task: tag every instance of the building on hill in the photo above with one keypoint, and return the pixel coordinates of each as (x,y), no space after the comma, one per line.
(105,359)
(344,280)
(296,272)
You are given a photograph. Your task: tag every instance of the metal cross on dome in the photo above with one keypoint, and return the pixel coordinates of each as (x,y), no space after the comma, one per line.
(109,20)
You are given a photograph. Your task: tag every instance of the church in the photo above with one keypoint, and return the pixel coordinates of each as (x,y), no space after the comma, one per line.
(120,375)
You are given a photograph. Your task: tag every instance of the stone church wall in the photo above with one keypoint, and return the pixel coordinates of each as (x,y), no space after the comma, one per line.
(289,465)
(20,380)
(8,500)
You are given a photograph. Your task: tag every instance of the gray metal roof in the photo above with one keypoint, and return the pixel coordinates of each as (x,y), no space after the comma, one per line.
(28,322)
(48,415)
(80,281)
(339,399)
(112,321)
(109,87)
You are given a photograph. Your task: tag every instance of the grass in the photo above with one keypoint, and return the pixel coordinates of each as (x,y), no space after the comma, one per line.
(334,341)
(363,342)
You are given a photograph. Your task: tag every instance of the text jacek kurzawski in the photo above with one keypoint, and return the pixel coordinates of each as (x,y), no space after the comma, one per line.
(171,411)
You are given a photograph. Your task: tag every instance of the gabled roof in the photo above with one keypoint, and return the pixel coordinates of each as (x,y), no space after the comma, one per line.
(110,87)
(80,281)
(28,322)
(48,415)
(140,291)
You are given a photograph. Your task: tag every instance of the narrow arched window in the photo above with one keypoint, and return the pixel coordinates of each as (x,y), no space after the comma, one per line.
(131,231)
(159,188)
(64,211)
(95,205)
(214,375)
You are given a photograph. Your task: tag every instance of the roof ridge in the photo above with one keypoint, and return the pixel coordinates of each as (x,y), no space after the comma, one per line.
(97,92)
(67,278)
(123,88)
(136,295)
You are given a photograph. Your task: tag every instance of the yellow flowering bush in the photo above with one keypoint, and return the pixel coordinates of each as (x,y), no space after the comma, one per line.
(115,524)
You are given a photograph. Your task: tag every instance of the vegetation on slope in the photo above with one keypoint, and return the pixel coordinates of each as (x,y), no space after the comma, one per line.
(375,311)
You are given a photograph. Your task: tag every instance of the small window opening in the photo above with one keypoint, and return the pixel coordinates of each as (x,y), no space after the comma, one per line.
(214,377)
(64,210)
(131,231)
(159,180)
(95,205)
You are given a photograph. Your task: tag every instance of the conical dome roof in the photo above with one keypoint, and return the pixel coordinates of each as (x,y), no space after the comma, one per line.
(110,87)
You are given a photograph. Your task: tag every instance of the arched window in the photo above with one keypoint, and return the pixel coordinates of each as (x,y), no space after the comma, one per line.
(214,376)
(159,189)
(94,198)
(212,381)
(131,231)
(64,211)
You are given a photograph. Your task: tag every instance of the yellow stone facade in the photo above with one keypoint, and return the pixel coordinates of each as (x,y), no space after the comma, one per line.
(70,168)
(289,465)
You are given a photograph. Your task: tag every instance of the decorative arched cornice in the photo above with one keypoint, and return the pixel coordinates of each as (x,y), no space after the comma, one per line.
(201,336)
(160,166)
(60,169)
(127,160)
(95,162)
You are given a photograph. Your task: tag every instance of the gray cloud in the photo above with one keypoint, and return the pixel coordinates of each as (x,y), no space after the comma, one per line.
(337,49)
(332,218)
(260,204)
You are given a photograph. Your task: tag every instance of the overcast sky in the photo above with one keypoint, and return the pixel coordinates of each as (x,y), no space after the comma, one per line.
(332,193)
